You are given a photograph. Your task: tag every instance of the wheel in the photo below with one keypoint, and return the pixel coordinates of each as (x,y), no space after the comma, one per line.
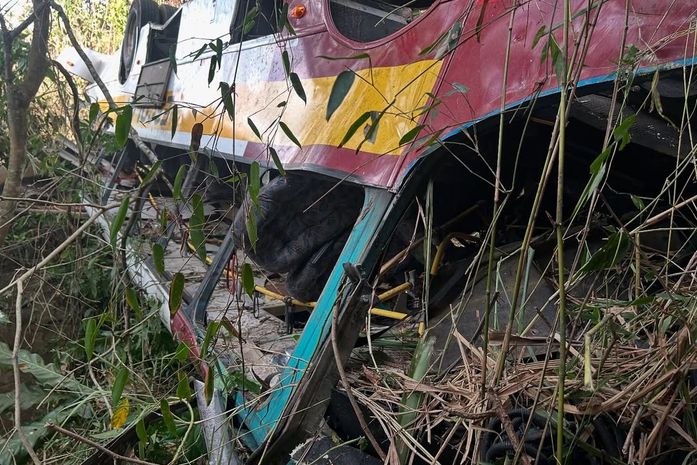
(166,11)
(141,13)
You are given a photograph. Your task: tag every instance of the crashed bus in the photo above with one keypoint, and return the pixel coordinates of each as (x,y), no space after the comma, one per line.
(380,141)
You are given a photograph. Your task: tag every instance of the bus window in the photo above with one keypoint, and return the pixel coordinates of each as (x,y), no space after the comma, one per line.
(369,20)
(255,18)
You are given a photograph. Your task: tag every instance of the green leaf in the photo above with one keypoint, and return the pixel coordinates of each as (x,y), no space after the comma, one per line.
(208,386)
(94,112)
(175,120)
(354,127)
(638,202)
(118,220)
(298,86)
(173,58)
(176,293)
(196,224)
(200,51)
(558,59)
(248,279)
(141,432)
(211,332)
(342,86)
(168,418)
(277,161)
(411,135)
(152,172)
(158,258)
(621,132)
(178,182)
(182,352)
(119,384)
(212,68)
(226,96)
(289,133)
(90,337)
(134,303)
(240,381)
(286,62)
(539,35)
(251,226)
(613,252)
(254,182)
(254,128)
(123,125)
(183,388)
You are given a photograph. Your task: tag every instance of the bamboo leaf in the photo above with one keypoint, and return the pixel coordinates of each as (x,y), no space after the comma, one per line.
(175,121)
(539,35)
(119,385)
(158,258)
(120,414)
(342,86)
(152,172)
(117,222)
(141,432)
(613,252)
(286,62)
(254,128)
(183,388)
(277,161)
(248,279)
(178,182)
(94,112)
(134,303)
(123,125)
(411,135)
(176,293)
(354,127)
(211,332)
(182,352)
(226,96)
(251,227)
(621,132)
(168,418)
(298,86)
(254,182)
(289,133)
(173,58)
(90,337)
(196,224)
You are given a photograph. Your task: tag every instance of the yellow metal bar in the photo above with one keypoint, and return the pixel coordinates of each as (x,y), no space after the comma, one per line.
(387,295)
(282,298)
(443,245)
(388,313)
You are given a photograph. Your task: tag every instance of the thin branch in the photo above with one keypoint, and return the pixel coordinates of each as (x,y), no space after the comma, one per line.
(16,372)
(97,446)
(347,386)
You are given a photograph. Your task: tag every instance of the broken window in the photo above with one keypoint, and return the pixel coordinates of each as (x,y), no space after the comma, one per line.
(369,20)
(255,19)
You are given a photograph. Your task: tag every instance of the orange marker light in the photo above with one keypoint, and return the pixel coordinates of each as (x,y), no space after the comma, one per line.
(298,11)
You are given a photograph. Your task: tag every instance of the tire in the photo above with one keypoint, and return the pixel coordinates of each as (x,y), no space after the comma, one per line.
(166,12)
(302,225)
(141,13)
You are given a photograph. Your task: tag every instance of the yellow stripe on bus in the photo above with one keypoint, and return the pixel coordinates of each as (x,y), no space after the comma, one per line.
(399,91)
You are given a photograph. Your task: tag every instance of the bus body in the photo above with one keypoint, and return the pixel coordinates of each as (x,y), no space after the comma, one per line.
(365,93)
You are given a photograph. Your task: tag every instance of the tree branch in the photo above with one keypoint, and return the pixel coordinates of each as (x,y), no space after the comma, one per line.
(16,372)
(38,54)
